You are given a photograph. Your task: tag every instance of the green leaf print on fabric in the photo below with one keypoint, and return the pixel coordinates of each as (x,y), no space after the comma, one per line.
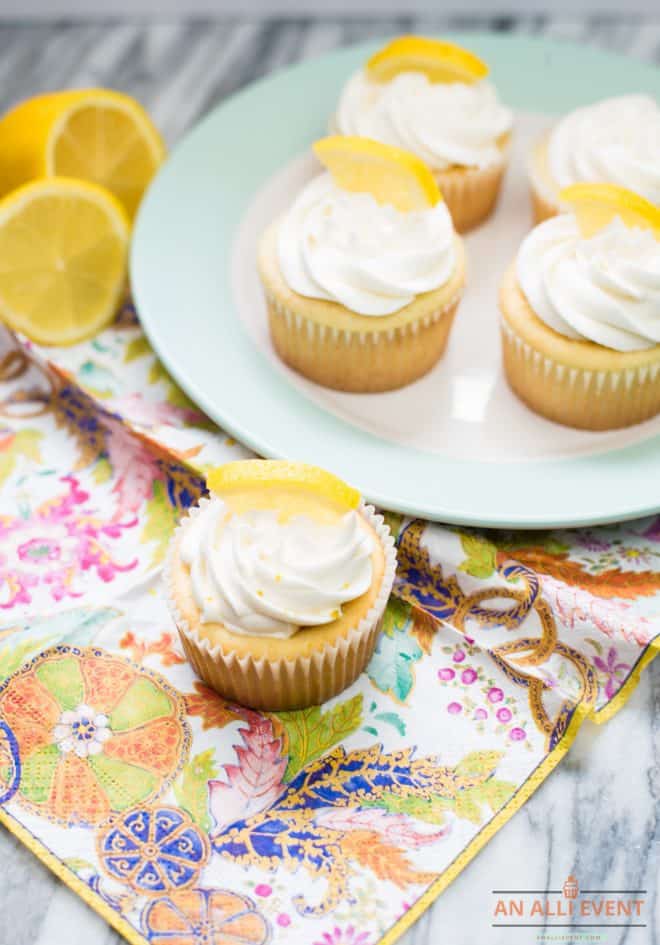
(63,680)
(517,540)
(77,865)
(393,719)
(174,395)
(11,657)
(97,379)
(479,762)
(431,810)
(391,668)
(23,443)
(481,560)
(394,521)
(469,788)
(160,523)
(191,788)
(142,702)
(137,348)
(102,471)
(38,773)
(124,784)
(311,732)
(396,616)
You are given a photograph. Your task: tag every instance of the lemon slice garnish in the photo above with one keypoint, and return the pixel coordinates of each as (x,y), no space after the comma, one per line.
(439,60)
(389,174)
(63,248)
(596,205)
(97,135)
(280,474)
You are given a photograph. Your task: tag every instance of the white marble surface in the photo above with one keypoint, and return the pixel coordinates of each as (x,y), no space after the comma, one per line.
(598,813)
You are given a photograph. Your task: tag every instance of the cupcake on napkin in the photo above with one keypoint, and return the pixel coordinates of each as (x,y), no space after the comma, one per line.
(615,141)
(581,311)
(278,583)
(363,274)
(431,97)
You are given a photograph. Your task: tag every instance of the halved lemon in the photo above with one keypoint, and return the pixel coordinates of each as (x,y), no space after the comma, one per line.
(274,473)
(389,174)
(97,135)
(63,250)
(439,60)
(596,205)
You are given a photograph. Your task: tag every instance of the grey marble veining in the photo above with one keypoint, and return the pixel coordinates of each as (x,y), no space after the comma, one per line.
(598,814)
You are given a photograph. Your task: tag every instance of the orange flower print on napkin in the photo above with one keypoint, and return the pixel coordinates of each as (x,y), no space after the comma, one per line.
(205,917)
(95,734)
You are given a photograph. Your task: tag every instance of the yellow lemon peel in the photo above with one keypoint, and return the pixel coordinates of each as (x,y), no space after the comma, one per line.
(391,175)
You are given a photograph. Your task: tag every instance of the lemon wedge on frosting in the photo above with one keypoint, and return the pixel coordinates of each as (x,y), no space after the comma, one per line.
(439,60)
(389,174)
(267,474)
(596,205)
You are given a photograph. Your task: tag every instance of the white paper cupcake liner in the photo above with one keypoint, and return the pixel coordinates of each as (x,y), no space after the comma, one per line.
(471,194)
(284,684)
(356,360)
(343,336)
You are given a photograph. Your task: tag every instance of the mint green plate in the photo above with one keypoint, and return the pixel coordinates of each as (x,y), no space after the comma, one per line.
(456,446)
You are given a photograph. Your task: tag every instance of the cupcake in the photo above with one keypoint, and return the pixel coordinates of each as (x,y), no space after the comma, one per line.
(615,141)
(581,312)
(432,98)
(363,274)
(278,583)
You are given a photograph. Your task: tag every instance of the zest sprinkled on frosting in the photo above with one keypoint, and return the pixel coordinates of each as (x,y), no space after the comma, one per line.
(264,577)
(446,124)
(373,259)
(604,289)
(616,141)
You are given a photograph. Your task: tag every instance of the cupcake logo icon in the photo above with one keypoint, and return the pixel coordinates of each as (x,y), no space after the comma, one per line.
(571,888)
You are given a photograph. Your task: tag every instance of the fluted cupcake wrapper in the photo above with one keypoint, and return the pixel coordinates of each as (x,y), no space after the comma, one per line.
(577,397)
(359,361)
(284,684)
(471,193)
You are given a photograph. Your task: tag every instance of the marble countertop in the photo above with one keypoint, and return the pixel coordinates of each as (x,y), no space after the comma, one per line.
(598,814)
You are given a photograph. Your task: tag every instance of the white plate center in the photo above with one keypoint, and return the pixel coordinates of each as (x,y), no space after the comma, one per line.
(463,409)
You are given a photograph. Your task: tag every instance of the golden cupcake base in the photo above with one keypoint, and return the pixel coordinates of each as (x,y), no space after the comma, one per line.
(577,383)
(340,349)
(471,193)
(349,361)
(285,685)
(273,674)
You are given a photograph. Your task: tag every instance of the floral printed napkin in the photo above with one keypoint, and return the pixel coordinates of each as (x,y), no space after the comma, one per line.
(184,819)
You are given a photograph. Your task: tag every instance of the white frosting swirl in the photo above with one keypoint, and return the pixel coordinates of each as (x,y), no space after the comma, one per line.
(446,124)
(616,141)
(604,289)
(264,577)
(345,247)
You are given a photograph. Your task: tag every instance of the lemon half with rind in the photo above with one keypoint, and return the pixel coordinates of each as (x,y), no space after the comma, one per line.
(98,135)
(63,259)
(391,175)
(596,205)
(439,60)
(273,473)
